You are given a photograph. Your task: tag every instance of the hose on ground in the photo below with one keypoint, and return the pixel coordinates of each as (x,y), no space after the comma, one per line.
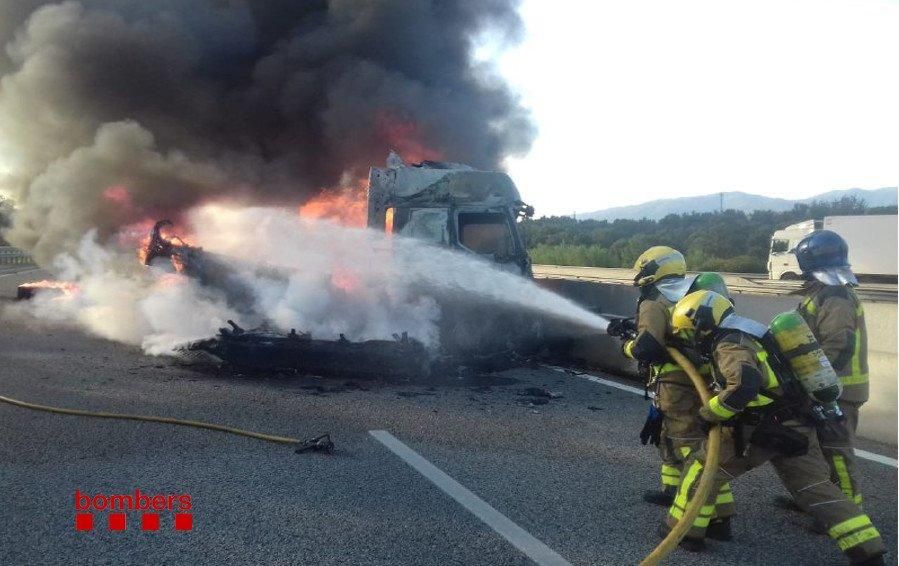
(706,480)
(152,419)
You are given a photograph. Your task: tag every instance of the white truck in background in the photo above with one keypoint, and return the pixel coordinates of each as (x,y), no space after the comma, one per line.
(872,243)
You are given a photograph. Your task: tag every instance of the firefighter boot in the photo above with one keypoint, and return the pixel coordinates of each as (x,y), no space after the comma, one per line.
(663,497)
(690,544)
(719,529)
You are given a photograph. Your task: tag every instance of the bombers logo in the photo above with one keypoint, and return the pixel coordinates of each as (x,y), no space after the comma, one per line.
(117,506)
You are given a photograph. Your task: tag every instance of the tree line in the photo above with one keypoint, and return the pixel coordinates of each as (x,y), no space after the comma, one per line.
(731,240)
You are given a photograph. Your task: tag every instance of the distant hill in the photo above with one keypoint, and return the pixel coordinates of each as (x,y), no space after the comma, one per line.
(655,210)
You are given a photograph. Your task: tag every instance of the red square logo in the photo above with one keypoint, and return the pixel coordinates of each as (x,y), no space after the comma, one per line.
(149,522)
(84,522)
(184,522)
(116,521)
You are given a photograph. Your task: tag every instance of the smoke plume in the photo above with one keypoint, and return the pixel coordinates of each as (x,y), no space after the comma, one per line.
(116,111)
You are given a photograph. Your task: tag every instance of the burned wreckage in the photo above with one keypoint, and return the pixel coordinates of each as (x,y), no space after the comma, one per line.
(442,203)
(263,348)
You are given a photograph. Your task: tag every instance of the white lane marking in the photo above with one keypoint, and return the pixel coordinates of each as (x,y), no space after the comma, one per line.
(885,460)
(600,380)
(874,457)
(518,537)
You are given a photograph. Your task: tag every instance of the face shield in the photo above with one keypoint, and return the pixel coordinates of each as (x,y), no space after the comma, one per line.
(835,276)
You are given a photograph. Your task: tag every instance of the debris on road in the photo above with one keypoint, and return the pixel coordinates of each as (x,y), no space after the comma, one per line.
(316,444)
(263,349)
(540,392)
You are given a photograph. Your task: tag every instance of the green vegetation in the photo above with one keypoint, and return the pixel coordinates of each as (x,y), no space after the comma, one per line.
(731,241)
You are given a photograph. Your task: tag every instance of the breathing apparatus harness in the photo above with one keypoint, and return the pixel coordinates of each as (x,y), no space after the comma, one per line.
(793,403)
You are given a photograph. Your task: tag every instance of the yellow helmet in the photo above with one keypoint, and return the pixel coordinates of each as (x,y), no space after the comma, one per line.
(657,263)
(699,312)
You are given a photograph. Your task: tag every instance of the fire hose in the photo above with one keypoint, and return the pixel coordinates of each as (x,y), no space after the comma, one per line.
(706,480)
(320,443)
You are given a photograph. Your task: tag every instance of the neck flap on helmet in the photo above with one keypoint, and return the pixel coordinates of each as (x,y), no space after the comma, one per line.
(835,276)
(743,324)
(675,288)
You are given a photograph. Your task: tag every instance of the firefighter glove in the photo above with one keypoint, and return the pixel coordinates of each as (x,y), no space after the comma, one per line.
(652,428)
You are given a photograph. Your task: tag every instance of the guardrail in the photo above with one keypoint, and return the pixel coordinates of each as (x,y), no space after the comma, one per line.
(14,256)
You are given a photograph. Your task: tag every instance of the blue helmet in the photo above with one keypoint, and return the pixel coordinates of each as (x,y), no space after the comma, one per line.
(824,256)
(822,249)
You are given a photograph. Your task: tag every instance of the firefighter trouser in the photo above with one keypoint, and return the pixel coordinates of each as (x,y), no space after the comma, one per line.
(807,479)
(682,433)
(681,427)
(838,443)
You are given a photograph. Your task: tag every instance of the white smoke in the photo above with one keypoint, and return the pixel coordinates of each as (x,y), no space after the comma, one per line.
(310,275)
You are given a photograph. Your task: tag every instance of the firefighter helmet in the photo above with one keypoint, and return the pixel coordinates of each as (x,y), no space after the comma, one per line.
(657,263)
(822,249)
(711,281)
(700,312)
(824,255)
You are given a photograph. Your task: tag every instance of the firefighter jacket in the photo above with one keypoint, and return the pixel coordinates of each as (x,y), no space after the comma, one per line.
(653,315)
(740,364)
(837,319)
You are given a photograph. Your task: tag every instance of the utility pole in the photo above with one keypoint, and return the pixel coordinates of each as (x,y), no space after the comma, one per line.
(721,201)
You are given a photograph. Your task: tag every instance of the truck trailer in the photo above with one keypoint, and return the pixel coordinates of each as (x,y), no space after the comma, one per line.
(872,243)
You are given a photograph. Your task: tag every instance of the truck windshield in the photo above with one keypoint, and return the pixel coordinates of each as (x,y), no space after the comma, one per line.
(485,233)
(429,225)
(780,246)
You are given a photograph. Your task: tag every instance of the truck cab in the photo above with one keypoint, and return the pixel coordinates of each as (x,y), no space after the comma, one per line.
(453,205)
(782,263)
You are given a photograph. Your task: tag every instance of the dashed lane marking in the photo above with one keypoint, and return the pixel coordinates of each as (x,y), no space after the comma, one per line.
(517,537)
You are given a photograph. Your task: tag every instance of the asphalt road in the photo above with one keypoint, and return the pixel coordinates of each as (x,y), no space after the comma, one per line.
(569,472)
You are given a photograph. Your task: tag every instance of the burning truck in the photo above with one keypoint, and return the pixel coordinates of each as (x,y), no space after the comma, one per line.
(440,204)
(450,204)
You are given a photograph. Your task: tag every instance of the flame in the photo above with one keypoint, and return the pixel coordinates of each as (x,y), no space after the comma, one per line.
(178,263)
(347,205)
(345,280)
(169,280)
(119,195)
(405,137)
(166,233)
(68,288)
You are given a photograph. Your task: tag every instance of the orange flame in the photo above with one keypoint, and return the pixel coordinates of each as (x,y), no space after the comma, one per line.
(119,195)
(347,206)
(406,138)
(67,288)
(345,280)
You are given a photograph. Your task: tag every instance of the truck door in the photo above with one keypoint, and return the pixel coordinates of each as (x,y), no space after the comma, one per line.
(781,263)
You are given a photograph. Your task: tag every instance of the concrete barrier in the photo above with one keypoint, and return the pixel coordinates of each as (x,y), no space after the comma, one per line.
(878,416)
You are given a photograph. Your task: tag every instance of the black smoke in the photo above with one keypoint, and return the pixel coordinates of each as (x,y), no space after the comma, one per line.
(115,111)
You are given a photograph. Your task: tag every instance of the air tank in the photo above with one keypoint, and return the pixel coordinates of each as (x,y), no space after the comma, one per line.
(811,367)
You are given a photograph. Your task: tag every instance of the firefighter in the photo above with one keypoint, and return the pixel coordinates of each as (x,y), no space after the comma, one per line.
(834,313)
(673,424)
(764,426)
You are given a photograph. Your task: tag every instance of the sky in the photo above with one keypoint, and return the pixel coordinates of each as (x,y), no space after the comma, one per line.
(637,101)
